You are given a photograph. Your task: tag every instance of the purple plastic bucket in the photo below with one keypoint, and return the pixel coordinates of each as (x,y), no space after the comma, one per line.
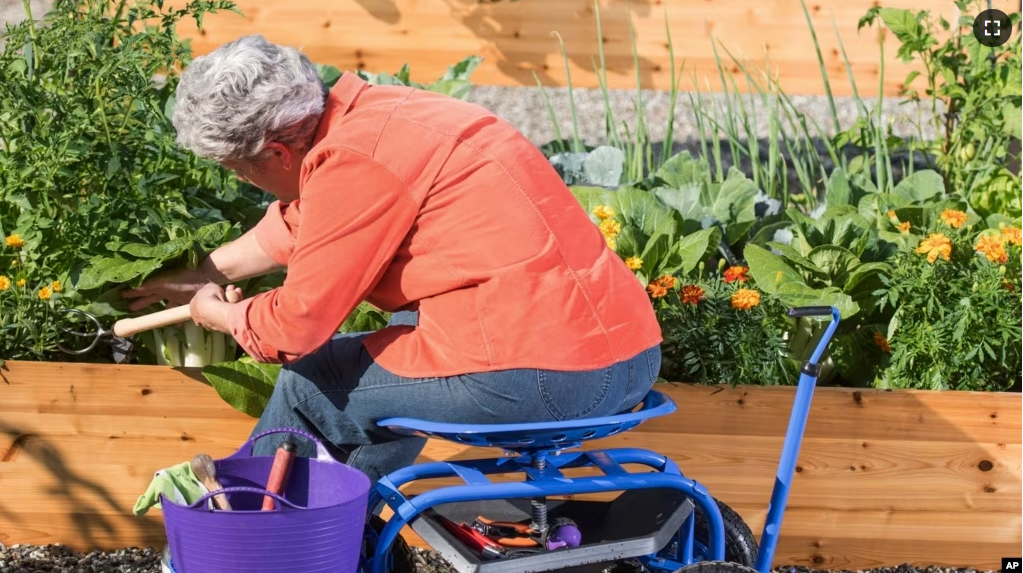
(318,527)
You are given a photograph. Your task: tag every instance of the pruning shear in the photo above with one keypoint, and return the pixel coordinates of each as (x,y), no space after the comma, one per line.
(482,544)
(124,329)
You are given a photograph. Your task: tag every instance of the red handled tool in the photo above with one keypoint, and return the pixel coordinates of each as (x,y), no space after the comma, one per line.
(279,473)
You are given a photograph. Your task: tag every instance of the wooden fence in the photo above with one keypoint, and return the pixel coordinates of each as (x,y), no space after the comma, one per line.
(883,478)
(515,38)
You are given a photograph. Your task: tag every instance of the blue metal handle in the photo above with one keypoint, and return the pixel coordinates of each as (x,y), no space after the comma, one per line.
(793,437)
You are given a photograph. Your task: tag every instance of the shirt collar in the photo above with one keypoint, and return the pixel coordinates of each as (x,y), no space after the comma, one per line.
(339,102)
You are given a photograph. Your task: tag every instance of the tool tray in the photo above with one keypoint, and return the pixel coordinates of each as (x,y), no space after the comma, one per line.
(637,522)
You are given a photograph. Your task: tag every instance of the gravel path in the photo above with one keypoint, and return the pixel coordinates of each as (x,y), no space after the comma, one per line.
(57,559)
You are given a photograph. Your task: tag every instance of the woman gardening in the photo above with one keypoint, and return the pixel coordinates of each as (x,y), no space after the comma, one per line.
(509,305)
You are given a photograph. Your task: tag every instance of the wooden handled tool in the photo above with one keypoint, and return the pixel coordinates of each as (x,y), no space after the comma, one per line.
(128,326)
(279,472)
(206,472)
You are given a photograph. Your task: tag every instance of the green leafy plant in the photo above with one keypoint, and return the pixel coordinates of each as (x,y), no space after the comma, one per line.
(980,89)
(720,329)
(455,81)
(957,301)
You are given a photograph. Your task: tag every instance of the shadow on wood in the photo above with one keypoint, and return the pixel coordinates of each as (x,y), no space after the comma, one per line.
(883,478)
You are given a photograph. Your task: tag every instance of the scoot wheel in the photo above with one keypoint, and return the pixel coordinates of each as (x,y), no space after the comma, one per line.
(716,567)
(740,545)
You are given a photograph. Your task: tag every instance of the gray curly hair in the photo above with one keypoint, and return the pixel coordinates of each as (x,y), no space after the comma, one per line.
(233,101)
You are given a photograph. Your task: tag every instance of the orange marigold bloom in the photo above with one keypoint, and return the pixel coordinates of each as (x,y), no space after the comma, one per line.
(745,299)
(692,294)
(56,286)
(904,226)
(15,241)
(934,246)
(667,281)
(993,247)
(953,218)
(881,342)
(733,274)
(656,289)
(21,282)
(5,282)
(45,293)
(634,263)
(1013,235)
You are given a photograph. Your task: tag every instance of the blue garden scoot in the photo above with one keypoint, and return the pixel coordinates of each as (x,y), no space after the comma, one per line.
(662,521)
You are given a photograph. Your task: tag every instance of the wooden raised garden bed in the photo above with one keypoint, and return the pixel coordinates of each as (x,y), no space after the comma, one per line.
(884,477)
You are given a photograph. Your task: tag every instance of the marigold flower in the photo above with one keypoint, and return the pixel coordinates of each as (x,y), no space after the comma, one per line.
(733,274)
(993,247)
(881,342)
(21,282)
(56,286)
(634,263)
(45,293)
(934,246)
(692,294)
(610,228)
(611,242)
(904,226)
(656,289)
(666,281)
(745,299)
(603,212)
(5,282)
(953,218)
(1013,235)
(15,241)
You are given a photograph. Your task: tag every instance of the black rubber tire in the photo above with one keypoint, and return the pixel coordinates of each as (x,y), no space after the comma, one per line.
(403,560)
(716,567)
(740,545)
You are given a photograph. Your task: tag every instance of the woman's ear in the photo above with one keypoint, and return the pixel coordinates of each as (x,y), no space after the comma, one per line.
(281,153)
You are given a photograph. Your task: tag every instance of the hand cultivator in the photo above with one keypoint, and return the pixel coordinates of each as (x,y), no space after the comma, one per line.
(661,521)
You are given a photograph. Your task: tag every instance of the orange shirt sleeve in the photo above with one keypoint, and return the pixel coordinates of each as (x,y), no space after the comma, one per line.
(277,231)
(354,216)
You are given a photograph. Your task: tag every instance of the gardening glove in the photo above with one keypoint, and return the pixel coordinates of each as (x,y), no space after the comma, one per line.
(177,483)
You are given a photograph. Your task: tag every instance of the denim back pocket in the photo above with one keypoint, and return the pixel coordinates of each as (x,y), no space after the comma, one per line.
(572,395)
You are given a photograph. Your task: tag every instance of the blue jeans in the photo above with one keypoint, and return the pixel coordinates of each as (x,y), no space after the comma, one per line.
(339,392)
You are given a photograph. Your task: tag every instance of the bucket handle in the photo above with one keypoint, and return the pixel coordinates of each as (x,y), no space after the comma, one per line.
(322,454)
(244,489)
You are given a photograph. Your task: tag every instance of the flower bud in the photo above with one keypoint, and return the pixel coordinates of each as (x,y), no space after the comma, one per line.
(1001,270)
(721,265)
(975,286)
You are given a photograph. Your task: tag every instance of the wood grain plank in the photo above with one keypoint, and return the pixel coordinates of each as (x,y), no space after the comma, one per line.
(515,38)
(921,492)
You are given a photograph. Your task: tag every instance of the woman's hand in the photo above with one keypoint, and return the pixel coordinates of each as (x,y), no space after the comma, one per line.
(177,287)
(211,304)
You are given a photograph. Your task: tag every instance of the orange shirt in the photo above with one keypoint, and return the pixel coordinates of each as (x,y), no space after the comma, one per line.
(411,200)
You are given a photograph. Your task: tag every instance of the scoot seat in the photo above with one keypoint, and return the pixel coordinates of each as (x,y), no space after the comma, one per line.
(535,436)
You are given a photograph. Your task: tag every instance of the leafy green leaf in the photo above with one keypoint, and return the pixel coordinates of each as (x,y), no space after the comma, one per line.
(603,166)
(244,384)
(115,270)
(640,208)
(770,271)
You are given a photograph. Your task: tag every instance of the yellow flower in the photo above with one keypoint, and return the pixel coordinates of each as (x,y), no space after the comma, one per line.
(611,242)
(15,241)
(45,293)
(904,226)
(5,282)
(891,214)
(610,228)
(953,218)
(1012,235)
(634,263)
(745,299)
(56,286)
(603,212)
(934,246)
(21,282)
(993,247)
